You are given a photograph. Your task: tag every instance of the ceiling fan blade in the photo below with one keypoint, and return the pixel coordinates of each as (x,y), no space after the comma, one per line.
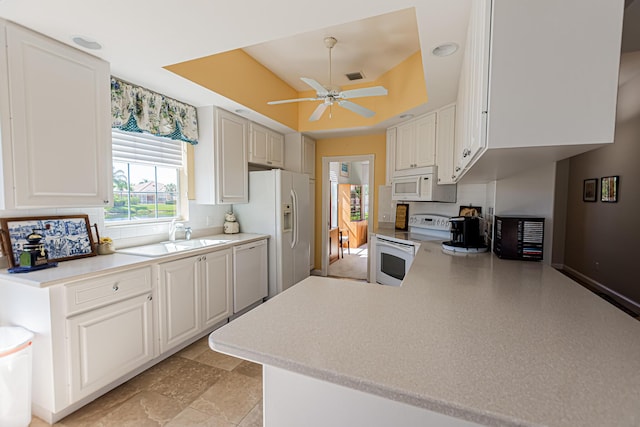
(315,85)
(362,92)
(284,101)
(356,108)
(317,113)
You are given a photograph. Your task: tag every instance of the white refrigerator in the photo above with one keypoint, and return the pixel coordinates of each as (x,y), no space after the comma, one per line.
(279,206)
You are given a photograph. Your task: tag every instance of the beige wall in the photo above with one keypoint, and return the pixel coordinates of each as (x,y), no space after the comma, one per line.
(601,237)
(348,146)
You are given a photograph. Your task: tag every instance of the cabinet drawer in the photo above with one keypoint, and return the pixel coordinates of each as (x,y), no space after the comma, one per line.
(87,294)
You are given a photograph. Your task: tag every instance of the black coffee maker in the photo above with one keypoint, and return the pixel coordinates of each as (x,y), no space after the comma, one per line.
(465,232)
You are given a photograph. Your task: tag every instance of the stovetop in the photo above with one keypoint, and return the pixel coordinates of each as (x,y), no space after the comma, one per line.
(422,228)
(429,227)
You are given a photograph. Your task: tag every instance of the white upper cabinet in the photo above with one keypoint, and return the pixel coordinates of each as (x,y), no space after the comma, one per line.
(266,147)
(415,143)
(300,154)
(536,87)
(445,140)
(55,123)
(221,169)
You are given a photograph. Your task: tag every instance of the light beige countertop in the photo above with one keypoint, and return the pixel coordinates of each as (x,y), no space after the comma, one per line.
(497,342)
(92,266)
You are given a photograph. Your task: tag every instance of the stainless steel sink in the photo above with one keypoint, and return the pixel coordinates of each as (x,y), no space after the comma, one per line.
(169,247)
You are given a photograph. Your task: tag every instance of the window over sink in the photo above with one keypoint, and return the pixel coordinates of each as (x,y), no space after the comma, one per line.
(147,176)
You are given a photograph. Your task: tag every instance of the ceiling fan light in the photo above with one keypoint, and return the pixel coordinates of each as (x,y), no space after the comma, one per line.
(445,49)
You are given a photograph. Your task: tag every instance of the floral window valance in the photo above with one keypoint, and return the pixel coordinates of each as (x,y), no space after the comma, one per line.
(136,109)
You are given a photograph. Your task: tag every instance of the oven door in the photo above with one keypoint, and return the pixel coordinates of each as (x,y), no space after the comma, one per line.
(393,261)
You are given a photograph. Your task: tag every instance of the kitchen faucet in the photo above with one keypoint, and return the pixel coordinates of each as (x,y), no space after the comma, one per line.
(172,229)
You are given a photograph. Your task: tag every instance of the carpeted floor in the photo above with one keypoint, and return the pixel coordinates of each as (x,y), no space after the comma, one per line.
(353,265)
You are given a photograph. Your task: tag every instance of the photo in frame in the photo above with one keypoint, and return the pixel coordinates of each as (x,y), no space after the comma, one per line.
(64,237)
(609,187)
(344,169)
(590,190)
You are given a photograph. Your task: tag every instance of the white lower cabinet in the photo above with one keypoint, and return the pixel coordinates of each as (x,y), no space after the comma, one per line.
(109,329)
(94,333)
(109,342)
(194,294)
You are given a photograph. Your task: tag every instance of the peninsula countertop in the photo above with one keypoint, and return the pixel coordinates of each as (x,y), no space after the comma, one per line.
(497,342)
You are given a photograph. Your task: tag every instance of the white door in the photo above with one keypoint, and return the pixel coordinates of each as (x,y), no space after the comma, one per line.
(425,140)
(109,342)
(217,286)
(179,301)
(231,162)
(60,120)
(286,231)
(302,227)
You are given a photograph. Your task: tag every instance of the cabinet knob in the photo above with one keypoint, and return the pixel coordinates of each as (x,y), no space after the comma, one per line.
(204,258)
(149,298)
(115,287)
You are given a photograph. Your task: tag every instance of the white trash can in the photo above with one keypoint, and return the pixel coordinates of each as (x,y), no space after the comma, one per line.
(15,376)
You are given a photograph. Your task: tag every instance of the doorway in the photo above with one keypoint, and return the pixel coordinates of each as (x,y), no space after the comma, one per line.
(347,206)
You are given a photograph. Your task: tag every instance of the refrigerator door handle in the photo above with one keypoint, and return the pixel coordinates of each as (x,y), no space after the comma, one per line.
(294,219)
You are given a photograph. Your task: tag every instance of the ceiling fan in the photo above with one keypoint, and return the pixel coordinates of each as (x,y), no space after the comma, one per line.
(332,94)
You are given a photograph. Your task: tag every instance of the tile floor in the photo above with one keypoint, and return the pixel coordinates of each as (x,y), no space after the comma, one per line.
(194,387)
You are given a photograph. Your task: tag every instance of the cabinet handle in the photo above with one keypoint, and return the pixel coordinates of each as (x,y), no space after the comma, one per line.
(149,298)
(457,168)
(453,177)
(115,287)
(268,162)
(204,258)
(106,202)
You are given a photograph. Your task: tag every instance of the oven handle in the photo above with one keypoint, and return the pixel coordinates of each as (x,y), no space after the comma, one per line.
(408,248)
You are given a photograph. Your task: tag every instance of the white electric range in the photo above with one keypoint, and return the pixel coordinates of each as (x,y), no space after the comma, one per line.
(395,249)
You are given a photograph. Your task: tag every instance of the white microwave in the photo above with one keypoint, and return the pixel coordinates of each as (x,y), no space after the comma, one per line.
(423,188)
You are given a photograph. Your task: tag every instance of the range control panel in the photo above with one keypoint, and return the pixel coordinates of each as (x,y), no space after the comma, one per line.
(426,222)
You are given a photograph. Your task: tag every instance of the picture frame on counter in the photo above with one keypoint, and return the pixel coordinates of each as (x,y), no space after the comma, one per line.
(65,237)
(609,188)
(590,190)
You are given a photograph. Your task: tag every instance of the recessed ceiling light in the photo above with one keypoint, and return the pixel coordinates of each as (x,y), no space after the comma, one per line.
(445,49)
(86,42)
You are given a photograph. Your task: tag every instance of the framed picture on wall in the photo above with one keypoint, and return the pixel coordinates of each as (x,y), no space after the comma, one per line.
(590,190)
(609,189)
(344,169)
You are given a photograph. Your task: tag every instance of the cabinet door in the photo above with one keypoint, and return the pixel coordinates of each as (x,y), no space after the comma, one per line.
(405,146)
(445,141)
(309,156)
(425,142)
(217,286)
(231,161)
(276,150)
(259,145)
(179,301)
(391,155)
(107,343)
(61,123)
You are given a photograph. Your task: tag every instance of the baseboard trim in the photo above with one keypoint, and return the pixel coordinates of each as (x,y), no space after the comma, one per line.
(598,287)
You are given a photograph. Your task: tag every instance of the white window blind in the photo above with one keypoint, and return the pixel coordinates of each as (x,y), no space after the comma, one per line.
(146,148)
